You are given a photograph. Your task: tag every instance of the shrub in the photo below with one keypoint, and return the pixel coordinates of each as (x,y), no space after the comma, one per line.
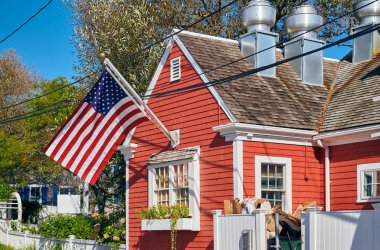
(112,228)
(61,226)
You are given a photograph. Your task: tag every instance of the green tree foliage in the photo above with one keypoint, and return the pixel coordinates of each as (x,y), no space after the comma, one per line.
(111,184)
(40,129)
(22,139)
(6,192)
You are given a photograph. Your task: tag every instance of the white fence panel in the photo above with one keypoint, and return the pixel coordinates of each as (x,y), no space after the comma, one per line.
(341,230)
(228,230)
(21,240)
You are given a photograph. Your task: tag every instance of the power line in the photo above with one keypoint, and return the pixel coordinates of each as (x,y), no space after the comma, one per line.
(277,45)
(140,51)
(36,111)
(27,21)
(13,119)
(47,93)
(200,86)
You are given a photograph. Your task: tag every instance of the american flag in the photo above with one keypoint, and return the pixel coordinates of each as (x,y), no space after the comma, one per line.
(93,132)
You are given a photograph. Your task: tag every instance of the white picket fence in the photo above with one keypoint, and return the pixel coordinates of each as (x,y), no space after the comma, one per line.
(341,230)
(231,231)
(21,240)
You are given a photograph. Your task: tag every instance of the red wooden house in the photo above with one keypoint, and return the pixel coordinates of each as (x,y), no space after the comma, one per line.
(305,130)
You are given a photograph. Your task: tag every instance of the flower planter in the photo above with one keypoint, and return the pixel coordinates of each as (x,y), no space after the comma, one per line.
(157,225)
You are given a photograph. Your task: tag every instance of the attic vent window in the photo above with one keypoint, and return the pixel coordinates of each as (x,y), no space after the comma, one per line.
(175,69)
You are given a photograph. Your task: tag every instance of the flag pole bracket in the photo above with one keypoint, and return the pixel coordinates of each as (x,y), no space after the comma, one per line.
(174,134)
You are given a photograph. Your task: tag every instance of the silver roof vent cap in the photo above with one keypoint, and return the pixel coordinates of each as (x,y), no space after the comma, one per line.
(259,15)
(303,19)
(367,14)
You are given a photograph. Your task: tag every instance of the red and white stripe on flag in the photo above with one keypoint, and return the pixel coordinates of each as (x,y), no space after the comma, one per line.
(88,139)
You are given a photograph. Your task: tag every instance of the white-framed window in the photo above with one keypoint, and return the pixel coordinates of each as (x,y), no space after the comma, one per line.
(176,182)
(368,182)
(175,69)
(273,180)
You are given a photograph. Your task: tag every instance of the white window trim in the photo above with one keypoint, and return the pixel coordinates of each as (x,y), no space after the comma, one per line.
(360,176)
(194,186)
(171,69)
(288,176)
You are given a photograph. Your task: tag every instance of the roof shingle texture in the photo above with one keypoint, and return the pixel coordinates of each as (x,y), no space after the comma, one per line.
(351,104)
(174,155)
(283,101)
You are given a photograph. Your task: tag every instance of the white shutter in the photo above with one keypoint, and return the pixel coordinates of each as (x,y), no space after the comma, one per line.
(175,69)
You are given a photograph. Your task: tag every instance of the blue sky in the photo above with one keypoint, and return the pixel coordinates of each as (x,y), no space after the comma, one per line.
(44,44)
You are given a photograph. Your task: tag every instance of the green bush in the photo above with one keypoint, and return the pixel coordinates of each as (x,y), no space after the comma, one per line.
(61,226)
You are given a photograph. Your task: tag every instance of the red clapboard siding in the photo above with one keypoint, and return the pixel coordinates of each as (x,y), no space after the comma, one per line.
(194,114)
(303,190)
(343,167)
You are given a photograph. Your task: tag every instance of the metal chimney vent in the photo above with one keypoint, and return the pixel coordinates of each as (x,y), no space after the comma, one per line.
(365,46)
(302,19)
(259,16)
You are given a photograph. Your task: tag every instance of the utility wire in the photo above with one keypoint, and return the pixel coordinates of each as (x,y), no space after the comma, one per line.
(36,111)
(13,119)
(47,93)
(27,21)
(140,51)
(200,86)
(277,45)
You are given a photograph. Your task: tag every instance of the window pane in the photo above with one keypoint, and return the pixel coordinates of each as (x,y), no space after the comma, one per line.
(264,183)
(162,185)
(272,183)
(264,170)
(272,170)
(280,170)
(182,189)
(280,183)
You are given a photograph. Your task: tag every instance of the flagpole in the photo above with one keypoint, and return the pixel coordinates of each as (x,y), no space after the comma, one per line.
(172,135)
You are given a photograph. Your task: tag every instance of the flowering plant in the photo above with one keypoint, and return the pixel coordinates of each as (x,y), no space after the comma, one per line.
(112,228)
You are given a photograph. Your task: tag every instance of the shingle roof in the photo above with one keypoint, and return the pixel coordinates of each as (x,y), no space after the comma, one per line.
(174,155)
(351,103)
(283,101)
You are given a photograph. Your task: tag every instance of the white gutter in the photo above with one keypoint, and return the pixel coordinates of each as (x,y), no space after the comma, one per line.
(327,175)
(346,132)
(261,128)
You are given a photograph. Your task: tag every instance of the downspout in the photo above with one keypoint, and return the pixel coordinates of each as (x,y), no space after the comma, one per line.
(327,174)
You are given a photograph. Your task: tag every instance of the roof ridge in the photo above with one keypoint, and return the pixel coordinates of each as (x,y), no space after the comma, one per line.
(192,33)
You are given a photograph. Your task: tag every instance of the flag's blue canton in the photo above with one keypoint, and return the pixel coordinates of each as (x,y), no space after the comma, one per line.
(105,94)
